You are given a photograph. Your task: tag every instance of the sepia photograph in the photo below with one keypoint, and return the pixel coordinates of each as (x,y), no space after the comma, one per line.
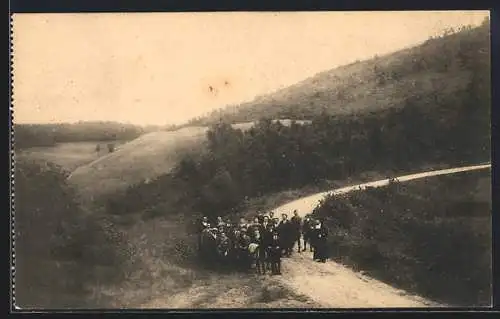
(251,160)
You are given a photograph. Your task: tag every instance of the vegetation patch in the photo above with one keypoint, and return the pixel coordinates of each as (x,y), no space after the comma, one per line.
(61,250)
(431,237)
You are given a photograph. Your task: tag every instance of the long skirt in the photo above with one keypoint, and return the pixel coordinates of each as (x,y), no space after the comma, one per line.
(321,250)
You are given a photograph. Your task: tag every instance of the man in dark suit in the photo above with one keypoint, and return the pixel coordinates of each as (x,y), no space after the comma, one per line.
(296,223)
(275,249)
(284,232)
(267,236)
(307,232)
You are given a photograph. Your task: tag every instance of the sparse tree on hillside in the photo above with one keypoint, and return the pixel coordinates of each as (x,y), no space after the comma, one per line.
(380,75)
(111,147)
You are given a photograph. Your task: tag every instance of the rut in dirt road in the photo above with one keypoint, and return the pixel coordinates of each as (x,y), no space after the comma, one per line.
(333,285)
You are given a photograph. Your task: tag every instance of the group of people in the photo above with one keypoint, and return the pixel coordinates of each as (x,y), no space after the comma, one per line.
(268,238)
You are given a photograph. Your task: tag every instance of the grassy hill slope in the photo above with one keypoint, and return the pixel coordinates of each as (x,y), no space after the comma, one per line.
(441,66)
(421,107)
(142,159)
(68,156)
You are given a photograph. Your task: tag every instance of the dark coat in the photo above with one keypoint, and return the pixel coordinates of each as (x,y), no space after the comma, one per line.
(284,228)
(307,229)
(320,242)
(295,225)
(275,247)
(266,226)
(252,228)
(266,235)
(243,241)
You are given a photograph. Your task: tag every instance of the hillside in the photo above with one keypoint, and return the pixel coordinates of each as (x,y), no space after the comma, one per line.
(68,156)
(421,107)
(142,159)
(443,66)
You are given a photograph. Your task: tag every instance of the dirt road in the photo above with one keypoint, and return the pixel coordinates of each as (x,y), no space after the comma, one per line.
(306,205)
(324,285)
(335,286)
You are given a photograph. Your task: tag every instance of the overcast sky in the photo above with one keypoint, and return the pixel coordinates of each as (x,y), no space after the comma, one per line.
(157,68)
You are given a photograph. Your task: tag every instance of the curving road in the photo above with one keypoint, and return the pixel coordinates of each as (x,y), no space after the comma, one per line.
(329,285)
(307,204)
(335,286)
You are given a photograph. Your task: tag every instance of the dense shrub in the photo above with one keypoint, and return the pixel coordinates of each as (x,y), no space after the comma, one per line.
(432,236)
(60,249)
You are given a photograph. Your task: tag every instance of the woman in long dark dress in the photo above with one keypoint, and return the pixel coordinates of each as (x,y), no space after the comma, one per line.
(314,238)
(321,243)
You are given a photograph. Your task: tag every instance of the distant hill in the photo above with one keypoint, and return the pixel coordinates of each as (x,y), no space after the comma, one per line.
(32,135)
(441,66)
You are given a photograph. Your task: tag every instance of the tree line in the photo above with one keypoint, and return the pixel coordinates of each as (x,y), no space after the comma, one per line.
(32,135)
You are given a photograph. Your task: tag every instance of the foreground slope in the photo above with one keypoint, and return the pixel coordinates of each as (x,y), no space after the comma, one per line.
(442,66)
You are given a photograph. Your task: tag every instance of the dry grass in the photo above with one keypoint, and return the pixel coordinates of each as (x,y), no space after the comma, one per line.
(67,155)
(357,87)
(234,291)
(144,158)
